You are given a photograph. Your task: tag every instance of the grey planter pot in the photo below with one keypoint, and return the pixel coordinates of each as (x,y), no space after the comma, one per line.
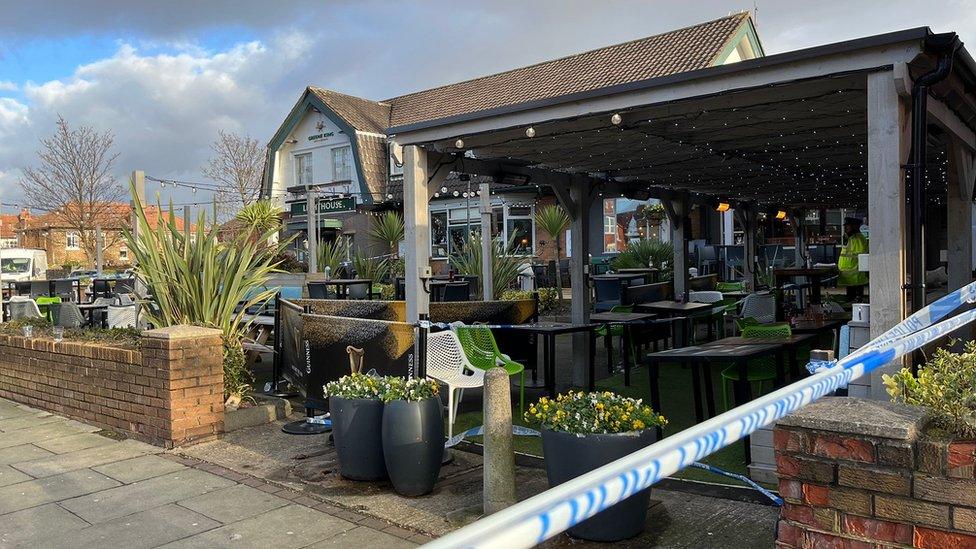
(569,455)
(413,444)
(357,430)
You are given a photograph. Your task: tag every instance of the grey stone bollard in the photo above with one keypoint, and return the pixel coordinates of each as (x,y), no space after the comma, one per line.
(499,475)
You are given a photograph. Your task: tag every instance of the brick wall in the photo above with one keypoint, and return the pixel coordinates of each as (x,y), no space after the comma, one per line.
(866,474)
(169,392)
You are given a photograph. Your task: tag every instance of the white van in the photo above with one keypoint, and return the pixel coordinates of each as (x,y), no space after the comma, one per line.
(21,264)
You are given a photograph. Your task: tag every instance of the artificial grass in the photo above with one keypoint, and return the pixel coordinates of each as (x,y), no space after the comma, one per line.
(678,406)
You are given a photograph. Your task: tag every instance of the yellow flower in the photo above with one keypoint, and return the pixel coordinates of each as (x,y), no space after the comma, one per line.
(638,424)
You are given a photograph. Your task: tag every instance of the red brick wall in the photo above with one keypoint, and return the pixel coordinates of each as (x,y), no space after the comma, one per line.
(169,392)
(853,490)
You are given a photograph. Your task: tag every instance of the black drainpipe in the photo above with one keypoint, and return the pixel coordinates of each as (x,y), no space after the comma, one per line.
(945,45)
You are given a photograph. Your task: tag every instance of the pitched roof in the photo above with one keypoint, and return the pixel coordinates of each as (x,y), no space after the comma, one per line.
(362,114)
(682,50)
(114,215)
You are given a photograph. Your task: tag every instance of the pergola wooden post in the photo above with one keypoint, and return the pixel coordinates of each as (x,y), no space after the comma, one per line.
(889,126)
(676,209)
(962,173)
(746,214)
(578,206)
(416,199)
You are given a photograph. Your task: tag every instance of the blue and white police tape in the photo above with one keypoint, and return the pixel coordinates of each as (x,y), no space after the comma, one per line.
(741,478)
(553,511)
(517,430)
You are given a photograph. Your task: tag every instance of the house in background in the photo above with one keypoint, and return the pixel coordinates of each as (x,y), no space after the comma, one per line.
(341,146)
(8,230)
(54,233)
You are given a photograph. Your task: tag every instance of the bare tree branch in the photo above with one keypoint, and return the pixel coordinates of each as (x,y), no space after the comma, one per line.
(74,179)
(236,166)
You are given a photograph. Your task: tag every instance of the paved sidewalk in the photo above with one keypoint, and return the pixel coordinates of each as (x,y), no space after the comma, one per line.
(64,484)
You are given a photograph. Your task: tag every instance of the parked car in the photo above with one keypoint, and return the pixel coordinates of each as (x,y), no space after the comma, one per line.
(22,264)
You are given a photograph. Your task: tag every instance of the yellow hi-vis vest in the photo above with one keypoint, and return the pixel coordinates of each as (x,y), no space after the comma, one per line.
(847,264)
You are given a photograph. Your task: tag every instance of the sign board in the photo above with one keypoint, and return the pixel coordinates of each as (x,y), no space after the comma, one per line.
(327,205)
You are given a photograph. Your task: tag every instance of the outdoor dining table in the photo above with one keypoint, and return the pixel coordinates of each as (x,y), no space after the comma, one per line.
(342,286)
(684,309)
(701,357)
(548,331)
(629,278)
(651,273)
(790,345)
(815,274)
(626,319)
(88,309)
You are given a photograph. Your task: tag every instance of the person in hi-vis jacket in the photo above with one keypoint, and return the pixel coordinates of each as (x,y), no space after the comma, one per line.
(850,277)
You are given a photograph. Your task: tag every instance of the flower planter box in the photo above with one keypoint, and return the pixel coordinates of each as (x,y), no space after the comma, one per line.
(570,455)
(357,425)
(413,444)
(265,410)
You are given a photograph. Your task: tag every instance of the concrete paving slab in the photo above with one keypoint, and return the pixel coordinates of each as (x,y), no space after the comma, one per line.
(363,537)
(47,490)
(25,421)
(148,528)
(234,504)
(37,524)
(74,443)
(10,410)
(145,494)
(9,475)
(81,459)
(23,452)
(291,526)
(37,433)
(140,468)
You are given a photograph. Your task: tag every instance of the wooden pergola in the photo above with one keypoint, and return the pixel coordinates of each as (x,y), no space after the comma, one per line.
(818,128)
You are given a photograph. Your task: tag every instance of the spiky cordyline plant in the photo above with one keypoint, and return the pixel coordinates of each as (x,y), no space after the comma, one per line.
(504,264)
(331,255)
(373,268)
(199,280)
(388,229)
(261,216)
(554,220)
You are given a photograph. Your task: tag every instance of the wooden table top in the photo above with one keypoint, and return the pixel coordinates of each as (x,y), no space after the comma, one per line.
(555,328)
(620,317)
(739,340)
(715,352)
(668,306)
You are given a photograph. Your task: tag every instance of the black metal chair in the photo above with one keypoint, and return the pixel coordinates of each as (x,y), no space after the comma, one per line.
(101,288)
(362,290)
(319,290)
(399,289)
(541,274)
(707,259)
(22,288)
(456,291)
(64,288)
(472,281)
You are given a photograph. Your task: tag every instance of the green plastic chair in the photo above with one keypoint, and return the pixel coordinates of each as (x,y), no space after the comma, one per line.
(42,304)
(730,287)
(482,352)
(759,372)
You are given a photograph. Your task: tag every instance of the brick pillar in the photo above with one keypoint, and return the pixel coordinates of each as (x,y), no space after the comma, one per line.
(862,473)
(189,371)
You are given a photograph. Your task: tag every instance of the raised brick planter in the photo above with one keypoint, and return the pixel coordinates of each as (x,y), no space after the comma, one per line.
(169,392)
(865,474)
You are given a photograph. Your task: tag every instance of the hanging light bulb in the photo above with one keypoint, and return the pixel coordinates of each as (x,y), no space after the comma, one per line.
(459,144)
(530,132)
(616,119)
(456,193)
(443,190)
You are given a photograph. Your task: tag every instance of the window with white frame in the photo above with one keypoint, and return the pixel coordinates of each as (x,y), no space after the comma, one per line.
(342,163)
(395,169)
(303,169)
(450,228)
(72,240)
(520,229)
(123,253)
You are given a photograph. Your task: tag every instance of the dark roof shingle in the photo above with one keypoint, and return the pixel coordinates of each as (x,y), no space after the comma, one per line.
(362,114)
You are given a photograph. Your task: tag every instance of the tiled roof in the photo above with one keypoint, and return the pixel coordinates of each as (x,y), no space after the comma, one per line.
(682,50)
(362,114)
(690,48)
(114,215)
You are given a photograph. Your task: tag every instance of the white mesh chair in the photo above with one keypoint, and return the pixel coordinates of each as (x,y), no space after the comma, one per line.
(761,306)
(705,296)
(447,364)
(121,317)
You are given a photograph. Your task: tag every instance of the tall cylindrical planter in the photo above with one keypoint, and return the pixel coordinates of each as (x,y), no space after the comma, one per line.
(413,444)
(569,455)
(357,425)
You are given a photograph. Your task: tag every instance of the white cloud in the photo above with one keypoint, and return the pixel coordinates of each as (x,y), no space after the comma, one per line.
(7,85)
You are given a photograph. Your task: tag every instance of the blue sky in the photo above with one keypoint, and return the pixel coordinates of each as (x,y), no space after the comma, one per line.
(165,77)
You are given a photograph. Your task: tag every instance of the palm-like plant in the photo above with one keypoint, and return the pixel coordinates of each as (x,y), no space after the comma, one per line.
(388,229)
(504,264)
(195,279)
(554,220)
(331,255)
(644,253)
(373,268)
(260,216)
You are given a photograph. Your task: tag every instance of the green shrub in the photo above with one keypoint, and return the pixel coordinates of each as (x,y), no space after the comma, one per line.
(642,253)
(372,268)
(504,264)
(331,255)
(945,386)
(547,297)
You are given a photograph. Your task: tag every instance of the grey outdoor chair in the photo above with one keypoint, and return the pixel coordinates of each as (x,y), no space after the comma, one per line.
(121,317)
(67,315)
(20,309)
(358,291)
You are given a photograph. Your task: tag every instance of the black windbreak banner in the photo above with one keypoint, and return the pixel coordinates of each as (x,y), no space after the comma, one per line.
(291,352)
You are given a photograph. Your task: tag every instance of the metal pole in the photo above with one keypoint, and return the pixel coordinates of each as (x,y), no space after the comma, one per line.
(311,233)
(139,200)
(487,282)
(99,250)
